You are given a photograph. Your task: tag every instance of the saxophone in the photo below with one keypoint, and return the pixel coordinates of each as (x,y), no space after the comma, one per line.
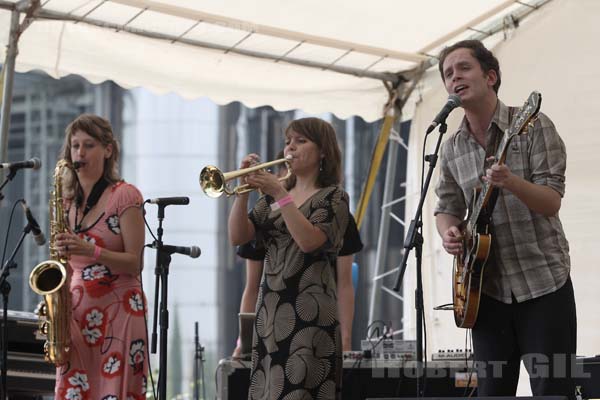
(49,279)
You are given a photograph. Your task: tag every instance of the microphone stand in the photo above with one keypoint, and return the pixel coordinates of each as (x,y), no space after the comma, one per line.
(5,289)
(198,367)
(11,174)
(414,239)
(163,259)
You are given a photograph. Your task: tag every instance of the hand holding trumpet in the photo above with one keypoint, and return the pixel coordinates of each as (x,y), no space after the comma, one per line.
(267,183)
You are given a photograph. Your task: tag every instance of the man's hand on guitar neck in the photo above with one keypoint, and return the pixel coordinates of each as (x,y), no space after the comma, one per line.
(539,198)
(447,226)
(499,175)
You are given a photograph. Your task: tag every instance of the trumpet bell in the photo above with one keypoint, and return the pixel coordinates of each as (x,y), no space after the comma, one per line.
(212,181)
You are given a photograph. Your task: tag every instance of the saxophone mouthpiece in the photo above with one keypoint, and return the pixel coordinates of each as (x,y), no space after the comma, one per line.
(78,164)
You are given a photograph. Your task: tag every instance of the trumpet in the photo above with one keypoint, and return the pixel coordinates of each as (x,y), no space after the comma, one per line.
(214,182)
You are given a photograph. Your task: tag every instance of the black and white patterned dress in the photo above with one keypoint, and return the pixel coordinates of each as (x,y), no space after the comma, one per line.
(296,350)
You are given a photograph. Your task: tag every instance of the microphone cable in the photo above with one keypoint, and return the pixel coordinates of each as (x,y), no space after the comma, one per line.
(143,207)
(10,218)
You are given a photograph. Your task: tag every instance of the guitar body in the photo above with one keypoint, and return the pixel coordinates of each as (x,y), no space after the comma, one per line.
(467,277)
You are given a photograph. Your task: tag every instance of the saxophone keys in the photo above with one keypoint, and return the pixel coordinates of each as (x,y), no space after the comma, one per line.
(44,328)
(41,310)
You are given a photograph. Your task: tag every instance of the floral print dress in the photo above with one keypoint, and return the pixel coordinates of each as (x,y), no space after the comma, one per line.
(296,350)
(108,353)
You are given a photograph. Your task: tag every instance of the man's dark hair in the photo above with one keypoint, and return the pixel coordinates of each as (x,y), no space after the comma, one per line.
(486,58)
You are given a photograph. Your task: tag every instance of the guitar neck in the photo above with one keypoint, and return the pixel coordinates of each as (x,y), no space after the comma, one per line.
(486,190)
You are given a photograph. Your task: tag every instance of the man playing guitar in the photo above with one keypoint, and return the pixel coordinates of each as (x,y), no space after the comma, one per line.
(527,307)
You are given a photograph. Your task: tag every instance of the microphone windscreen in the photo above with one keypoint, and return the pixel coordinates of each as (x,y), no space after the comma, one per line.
(37,163)
(454,98)
(195,251)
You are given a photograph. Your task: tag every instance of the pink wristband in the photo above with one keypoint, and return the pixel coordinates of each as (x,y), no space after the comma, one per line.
(97,250)
(284,201)
(238,342)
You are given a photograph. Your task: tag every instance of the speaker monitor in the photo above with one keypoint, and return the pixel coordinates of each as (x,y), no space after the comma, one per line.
(474,398)
(362,380)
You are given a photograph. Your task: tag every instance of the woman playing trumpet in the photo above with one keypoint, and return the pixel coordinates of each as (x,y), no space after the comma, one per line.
(301,224)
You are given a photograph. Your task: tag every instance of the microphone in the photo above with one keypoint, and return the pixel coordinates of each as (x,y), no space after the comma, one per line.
(165,201)
(34,163)
(192,251)
(38,235)
(451,104)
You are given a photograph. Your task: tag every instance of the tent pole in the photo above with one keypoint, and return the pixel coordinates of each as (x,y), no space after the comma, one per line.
(394,106)
(384,228)
(8,72)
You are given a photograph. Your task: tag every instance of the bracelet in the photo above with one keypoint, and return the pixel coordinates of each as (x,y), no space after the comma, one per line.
(284,201)
(97,250)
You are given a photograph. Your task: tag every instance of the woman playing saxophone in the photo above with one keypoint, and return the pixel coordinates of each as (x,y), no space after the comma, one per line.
(104,240)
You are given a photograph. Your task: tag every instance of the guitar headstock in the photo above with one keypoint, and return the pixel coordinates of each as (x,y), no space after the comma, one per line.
(526,116)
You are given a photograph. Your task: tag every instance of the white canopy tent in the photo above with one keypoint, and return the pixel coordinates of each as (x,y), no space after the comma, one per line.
(236,50)
(319,57)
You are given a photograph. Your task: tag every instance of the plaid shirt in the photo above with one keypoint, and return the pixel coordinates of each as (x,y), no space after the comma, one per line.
(529,253)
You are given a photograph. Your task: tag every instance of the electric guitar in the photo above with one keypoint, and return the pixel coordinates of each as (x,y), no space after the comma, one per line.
(469,265)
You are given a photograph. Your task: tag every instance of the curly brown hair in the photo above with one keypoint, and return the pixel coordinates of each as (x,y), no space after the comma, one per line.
(100,129)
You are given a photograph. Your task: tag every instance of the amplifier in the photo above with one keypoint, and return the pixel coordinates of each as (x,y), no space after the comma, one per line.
(29,376)
(375,379)
(364,378)
(588,381)
(458,354)
(390,349)
(233,378)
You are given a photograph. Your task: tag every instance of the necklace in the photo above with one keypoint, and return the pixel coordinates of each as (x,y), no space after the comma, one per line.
(92,200)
